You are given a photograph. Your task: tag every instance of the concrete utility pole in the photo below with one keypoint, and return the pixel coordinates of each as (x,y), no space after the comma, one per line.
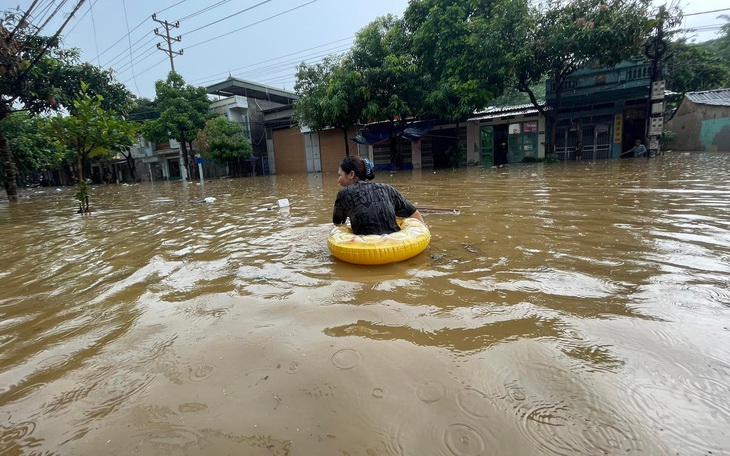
(655,114)
(168,39)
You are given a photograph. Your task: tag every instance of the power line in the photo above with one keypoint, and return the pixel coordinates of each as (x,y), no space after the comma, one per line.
(136,27)
(129,40)
(93,26)
(52,40)
(229,16)
(114,59)
(46,9)
(255,23)
(220,36)
(43,13)
(146,70)
(26,15)
(707,12)
(79,21)
(208,8)
(280,57)
(146,55)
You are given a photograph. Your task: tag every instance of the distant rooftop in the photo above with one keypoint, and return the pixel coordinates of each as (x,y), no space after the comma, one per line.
(495,112)
(234,86)
(719,97)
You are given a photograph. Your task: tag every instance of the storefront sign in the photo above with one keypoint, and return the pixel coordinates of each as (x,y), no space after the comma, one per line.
(618,125)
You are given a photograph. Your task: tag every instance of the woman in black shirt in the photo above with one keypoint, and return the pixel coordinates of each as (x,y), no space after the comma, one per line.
(371,207)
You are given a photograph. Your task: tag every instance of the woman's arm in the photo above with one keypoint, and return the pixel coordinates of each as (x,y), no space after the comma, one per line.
(417,215)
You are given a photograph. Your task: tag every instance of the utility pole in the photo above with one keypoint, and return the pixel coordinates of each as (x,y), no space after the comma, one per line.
(655,105)
(169,39)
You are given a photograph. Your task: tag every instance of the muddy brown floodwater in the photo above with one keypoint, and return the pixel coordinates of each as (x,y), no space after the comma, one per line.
(566,309)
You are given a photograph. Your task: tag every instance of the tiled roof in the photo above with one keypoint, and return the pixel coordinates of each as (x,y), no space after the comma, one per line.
(719,97)
(496,112)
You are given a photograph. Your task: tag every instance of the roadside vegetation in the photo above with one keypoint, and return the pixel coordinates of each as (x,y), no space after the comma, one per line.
(444,59)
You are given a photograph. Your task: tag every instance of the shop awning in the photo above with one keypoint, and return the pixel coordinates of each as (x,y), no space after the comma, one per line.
(381,133)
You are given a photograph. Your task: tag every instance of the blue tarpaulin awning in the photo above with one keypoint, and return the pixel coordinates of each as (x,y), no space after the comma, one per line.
(380,134)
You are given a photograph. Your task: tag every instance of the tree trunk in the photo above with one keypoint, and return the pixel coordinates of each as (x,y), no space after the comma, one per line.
(11,187)
(132,166)
(84,202)
(185,157)
(80,165)
(347,143)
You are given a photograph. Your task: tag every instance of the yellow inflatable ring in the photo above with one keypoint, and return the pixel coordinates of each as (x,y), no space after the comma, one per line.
(412,239)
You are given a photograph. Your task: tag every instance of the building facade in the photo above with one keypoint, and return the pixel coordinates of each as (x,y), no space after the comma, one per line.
(702,122)
(605,108)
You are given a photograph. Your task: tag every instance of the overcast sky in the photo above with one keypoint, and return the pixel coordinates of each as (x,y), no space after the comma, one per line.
(257,40)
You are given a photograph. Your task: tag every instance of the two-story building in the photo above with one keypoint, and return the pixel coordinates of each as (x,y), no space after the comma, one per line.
(605,108)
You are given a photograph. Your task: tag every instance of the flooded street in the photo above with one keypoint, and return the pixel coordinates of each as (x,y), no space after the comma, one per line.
(562,309)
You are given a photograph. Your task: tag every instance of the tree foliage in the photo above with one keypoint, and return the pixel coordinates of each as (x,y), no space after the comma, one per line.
(448,39)
(331,95)
(222,140)
(693,68)
(69,75)
(31,143)
(92,131)
(563,36)
(184,109)
(719,48)
(311,86)
(37,76)
(27,66)
(394,85)
(393,82)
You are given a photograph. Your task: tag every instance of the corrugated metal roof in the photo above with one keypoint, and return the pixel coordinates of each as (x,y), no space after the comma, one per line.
(719,97)
(496,112)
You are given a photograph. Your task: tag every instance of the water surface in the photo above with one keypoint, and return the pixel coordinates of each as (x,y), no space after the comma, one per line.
(571,308)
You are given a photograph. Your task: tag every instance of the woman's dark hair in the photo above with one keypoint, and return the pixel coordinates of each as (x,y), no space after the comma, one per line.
(362,166)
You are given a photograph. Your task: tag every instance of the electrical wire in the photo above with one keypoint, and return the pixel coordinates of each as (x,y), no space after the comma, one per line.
(129,40)
(208,8)
(147,69)
(706,12)
(136,27)
(43,13)
(228,17)
(251,25)
(93,27)
(146,55)
(273,59)
(122,55)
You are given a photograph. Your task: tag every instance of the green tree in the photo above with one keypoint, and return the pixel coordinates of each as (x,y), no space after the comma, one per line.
(69,73)
(448,39)
(719,48)
(223,140)
(27,66)
(311,86)
(693,68)
(563,36)
(394,85)
(184,109)
(91,131)
(33,148)
(331,95)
